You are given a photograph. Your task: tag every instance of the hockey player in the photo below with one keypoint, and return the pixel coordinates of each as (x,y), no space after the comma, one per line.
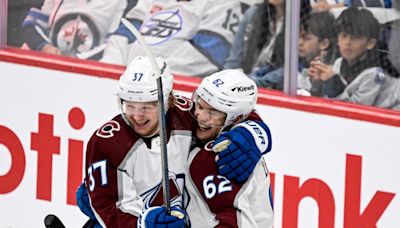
(123,158)
(123,167)
(224,101)
(72,27)
(194,37)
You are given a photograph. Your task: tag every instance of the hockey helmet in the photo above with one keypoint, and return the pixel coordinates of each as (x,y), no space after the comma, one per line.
(231,92)
(138,82)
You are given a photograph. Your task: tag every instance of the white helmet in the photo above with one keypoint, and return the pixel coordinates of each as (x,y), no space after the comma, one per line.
(231,92)
(138,83)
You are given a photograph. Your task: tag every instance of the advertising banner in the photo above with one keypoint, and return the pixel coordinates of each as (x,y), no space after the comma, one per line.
(327,171)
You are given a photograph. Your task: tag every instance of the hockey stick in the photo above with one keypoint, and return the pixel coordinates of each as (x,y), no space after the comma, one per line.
(52,221)
(163,133)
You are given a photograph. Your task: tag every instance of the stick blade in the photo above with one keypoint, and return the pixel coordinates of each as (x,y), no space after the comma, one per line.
(52,221)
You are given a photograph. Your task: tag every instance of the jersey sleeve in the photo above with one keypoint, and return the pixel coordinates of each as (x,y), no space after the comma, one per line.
(217,29)
(36,26)
(254,201)
(113,195)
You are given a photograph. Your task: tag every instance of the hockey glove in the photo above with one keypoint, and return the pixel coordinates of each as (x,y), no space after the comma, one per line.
(82,199)
(158,217)
(241,148)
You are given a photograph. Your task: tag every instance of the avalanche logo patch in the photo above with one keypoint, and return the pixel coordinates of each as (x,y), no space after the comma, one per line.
(161,27)
(107,130)
(154,196)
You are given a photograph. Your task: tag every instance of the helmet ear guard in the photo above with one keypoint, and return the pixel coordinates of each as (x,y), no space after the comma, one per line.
(231,92)
(138,82)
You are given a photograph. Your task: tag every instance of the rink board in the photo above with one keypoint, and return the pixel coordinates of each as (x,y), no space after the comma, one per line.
(327,170)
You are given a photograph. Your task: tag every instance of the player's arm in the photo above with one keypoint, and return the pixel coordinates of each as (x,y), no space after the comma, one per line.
(113,204)
(258,194)
(34,31)
(246,143)
(217,29)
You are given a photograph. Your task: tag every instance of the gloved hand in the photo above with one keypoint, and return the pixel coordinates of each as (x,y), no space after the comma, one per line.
(240,149)
(158,217)
(82,199)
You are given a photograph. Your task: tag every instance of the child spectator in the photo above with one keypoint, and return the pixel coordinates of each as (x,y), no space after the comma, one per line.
(357,76)
(316,42)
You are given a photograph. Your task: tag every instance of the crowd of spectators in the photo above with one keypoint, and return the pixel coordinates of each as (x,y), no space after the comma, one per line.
(348,49)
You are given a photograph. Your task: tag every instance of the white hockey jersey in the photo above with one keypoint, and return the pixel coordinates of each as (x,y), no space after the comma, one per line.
(216,201)
(75,26)
(194,37)
(124,173)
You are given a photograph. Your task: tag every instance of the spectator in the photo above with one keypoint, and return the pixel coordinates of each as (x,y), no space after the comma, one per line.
(193,36)
(70,27)
(316,42)
(357,76)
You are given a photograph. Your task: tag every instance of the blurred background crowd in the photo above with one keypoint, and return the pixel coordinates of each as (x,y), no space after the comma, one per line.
(347,50)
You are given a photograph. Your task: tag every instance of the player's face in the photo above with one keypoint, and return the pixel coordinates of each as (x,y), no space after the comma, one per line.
(352,48)
(143,116)
(210,121)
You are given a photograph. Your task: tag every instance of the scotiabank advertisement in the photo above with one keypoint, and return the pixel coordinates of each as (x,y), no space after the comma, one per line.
(327,170)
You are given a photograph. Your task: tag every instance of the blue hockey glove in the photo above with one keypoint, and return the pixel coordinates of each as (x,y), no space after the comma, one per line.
(241,148)
(82,199)
(158,217)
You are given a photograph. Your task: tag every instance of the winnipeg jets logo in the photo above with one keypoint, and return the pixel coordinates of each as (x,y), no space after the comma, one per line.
(75,33)
(161,27)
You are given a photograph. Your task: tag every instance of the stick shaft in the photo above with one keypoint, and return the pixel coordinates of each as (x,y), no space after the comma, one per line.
(163,128)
